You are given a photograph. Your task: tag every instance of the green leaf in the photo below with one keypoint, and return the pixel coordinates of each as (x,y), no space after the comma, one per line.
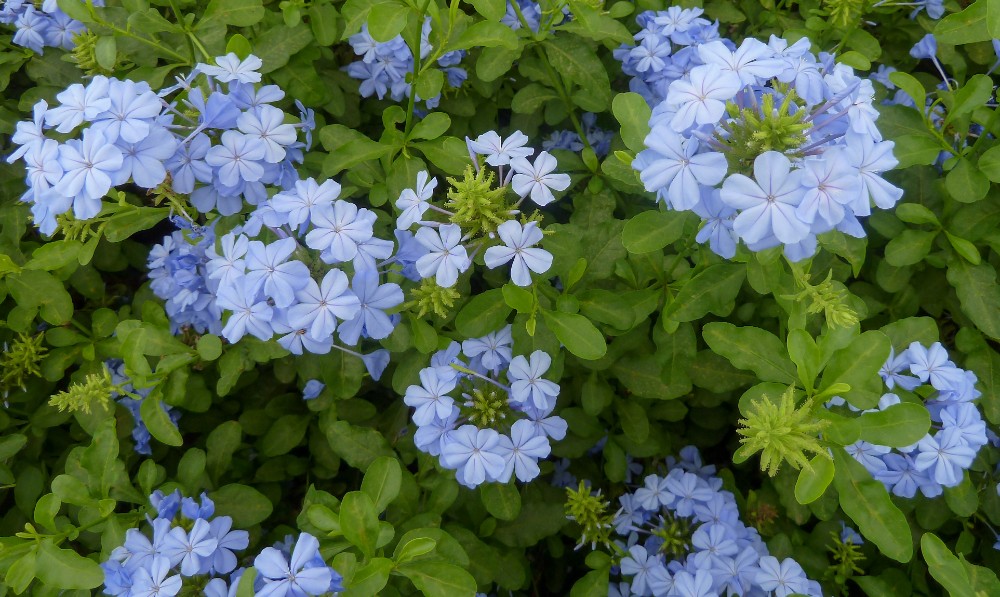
(245,504)
(65,569)
(531,98)
(910,247)
(518,298)
(899,425)
(652,230)
(632,417)
(124,224)
(240,46)
(20,574)
(283,435)
(11,444)
(221,444)
(595,25)
(965,183)
(447,153)
(713,290)
(386,21)
(502,500)
(964,248)
(382,482)
(752,349)
(978,294)
(965,27)
(434,124)
(913,87)
(857,365)
(240,13)
(158,421)
(54,255)
(370,578)
(814,479)
(868,504)
(914,213)
(491,10)
(944,566)
(574,59)
(246,582)
(577,333)
(989,163)
(358,446)
(605,306)
(986,365)
(38,289)
(993,18)
(359,522)
(414,548)
(593,584)
(209,347)
(277,45)
(974,93)
(439,579)
(485,34)
(633,113)
(485,313)
(915,150)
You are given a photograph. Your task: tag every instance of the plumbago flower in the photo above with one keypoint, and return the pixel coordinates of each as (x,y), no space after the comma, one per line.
(383,66)
(223,148)
(487,416)
(925,375)
(680,533)
(478,214)
(191,550)
(770,144)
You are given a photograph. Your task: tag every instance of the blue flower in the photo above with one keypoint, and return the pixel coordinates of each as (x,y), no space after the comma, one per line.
(414,202)
(526,382)
(293,578)
(338,229)
(674,170)
(237,158)
(188,548)
(268,269)
(319,306)
(784,578)
(500,152)
(267,123)
(153,582)
(231,68)
(446,257)
(374,299)
(88,166)
(702,99)
(312,389)
(131,113)
(305,200)
(493,350)
(430,398)
(521,451)
(536,179)
(768,204)
(474,453)
(249,314)
(946,454)
(517,246)
(925,48)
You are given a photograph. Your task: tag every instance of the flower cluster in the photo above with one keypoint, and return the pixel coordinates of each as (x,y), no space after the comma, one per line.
(221,142)
(597,138)
(941,458)
(478,212)
(190,546)
(179,274)
(41,27)
(269,293)
(501,424)
(132,398)
(770,144)
(384,66)
(682,535)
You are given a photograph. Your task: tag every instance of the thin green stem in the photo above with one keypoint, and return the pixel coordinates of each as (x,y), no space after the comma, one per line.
(564,96)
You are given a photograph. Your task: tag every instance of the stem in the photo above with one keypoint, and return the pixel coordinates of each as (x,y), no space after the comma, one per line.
(176,55)
(561,90)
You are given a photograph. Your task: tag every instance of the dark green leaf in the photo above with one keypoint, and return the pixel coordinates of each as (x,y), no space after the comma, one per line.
(359,522)
(485,313)
(868,504)
(382,482)
(245,504)
(577,333)
(501,500)
(752,349)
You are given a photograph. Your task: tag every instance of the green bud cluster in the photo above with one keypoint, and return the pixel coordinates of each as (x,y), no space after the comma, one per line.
(478,207)
(429,297)
(96,389)
(755,130)
(828,298)
(676,535)
(84,54)
(846,559)
(20,360)
(591,513)
(780,432)
(487,407)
